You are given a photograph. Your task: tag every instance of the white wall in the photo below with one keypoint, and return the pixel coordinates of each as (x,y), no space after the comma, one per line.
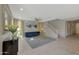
(60,27)
(27,29)
(4,9)
(1,19)
(7,14)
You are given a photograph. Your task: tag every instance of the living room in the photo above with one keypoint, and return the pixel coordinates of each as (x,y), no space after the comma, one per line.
(40,29)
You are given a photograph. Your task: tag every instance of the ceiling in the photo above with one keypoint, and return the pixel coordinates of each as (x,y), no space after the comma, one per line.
(44,12)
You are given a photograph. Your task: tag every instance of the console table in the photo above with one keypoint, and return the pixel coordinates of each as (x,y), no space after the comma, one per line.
(10,47)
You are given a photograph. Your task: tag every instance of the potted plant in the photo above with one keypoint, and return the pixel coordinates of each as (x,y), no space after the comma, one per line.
(12,29)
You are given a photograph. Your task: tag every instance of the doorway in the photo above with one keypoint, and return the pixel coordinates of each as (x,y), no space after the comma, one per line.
(72,28)
(77,28)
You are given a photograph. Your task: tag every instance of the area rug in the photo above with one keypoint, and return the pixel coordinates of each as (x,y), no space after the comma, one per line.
(36,42)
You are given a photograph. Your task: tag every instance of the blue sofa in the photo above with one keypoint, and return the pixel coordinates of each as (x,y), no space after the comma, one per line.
(32,34)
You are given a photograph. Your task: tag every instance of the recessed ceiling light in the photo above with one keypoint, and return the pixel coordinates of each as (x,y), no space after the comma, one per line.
(21,9)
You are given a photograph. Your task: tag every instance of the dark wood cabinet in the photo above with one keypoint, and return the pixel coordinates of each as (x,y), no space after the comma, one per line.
(10,47)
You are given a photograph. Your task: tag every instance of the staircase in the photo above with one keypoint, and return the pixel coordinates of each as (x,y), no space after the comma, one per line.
(50,30)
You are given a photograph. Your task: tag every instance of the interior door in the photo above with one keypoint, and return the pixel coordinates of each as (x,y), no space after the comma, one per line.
(77,28)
